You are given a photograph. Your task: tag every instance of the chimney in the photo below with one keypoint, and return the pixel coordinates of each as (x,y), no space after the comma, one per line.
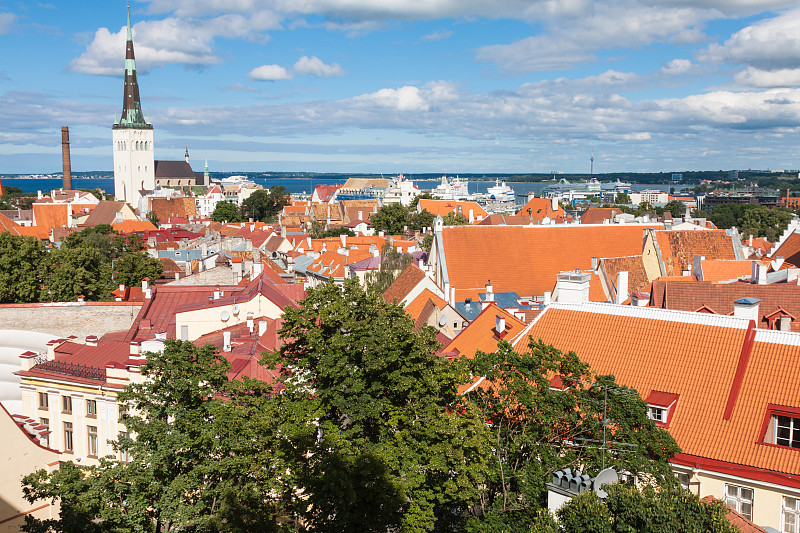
(38,195)
(758,274)
(452,301)
(622,286)
(134,348)
(148,293)
(554,204)
(65,163)
(262,327)
(489,291)
(250,321)
(226,341)
(573,287)
(283,231)
(595,262)
(343,238)
(471,217)
(785,323)
(81,297)
(547,296)
(746,308)
(91,340)
(499,324)
(750,241)
(204,250)
(698,266)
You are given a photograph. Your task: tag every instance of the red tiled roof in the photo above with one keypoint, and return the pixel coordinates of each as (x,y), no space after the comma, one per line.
(104,213)
(131,226)
(445,207)
(416,306)
(633,265)
(405,282)
(81,362)
(6,224)
(538,208)
(715,270)
(527,259)
(743,524)
(51,216)
(721,405)
(505,220)
(597,215)
(719,297)
(678,248)
(789,249)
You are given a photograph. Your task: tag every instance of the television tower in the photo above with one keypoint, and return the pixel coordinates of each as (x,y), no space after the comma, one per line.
(591,164)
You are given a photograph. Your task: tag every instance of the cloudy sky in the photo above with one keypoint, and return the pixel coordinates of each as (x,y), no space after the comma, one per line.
(409,85)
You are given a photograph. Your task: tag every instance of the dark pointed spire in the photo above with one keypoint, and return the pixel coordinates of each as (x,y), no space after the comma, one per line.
(132,116)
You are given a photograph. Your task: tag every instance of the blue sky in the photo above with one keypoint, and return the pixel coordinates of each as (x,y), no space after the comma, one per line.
(409,85)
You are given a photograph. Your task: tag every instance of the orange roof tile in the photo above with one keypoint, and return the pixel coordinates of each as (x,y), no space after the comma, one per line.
(404,283)
(597,215)
(538,208)
(715,270)
(6,224)
(678,248)
(129,226)
(527,259)
(696,356)
(633,265)
(445,207)
(51,216)
(414,308)
(480,334)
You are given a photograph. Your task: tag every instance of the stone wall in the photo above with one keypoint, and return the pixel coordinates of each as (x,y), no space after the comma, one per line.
(69,318)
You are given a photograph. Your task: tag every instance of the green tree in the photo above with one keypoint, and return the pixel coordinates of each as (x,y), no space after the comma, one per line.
(392,264)
(131,268)
(201,460)
(622,198)
(264,205)
(153,218)
(417,198)
(538,430)
(389,444)
(391,219)
(676,208)
(455,219)
(70,271)
(420,221)
(225,212)
(21,261)
(629,509)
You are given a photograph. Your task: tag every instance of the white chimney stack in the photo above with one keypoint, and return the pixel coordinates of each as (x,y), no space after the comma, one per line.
(226,341)
(747,308)
(489,291)
(262,327)
(573,287)
(554,204)
(499,324)
(547,296)
(622,286)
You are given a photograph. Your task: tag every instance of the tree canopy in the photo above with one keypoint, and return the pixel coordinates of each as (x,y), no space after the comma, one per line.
(390,443)
(264,204)
(225,212)
(91,263)
(538,430)
(750,219)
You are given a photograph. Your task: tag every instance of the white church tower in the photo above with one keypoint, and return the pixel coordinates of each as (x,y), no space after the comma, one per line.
(134,161)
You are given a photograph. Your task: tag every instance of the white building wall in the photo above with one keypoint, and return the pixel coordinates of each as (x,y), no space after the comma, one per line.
(134,163)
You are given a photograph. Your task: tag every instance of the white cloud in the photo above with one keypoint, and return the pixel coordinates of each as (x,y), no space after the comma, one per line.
(676,67)
(313,66)
(406,98)
(7,22)
(753,77)
(169,41)
(623,24)
(270,73)
(437,35)
(770,44)
(729,7)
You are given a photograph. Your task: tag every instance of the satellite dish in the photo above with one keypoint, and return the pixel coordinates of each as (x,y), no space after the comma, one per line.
(442,321)
(224,316)
(236,309)
(606,477)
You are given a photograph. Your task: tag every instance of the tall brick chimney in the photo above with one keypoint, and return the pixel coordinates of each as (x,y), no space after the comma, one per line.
(65,158)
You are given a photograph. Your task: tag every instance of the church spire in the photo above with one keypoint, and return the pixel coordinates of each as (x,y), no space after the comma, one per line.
(132,116)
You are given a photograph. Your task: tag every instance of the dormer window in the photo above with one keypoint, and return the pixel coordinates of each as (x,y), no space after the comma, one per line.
(660,407)
(782,426)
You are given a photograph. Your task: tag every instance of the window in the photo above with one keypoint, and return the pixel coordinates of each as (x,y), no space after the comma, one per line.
(790,515)
(91,408)
(740,499)
(46,422)
(658,414)
(67,436)
(44,402)
(683,479)
(66,404)
(787,431)
(91,432)
(124,456)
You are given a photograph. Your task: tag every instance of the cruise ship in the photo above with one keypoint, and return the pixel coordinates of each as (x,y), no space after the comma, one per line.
(453,189)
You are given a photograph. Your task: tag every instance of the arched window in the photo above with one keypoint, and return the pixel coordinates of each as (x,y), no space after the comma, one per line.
(145,149)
